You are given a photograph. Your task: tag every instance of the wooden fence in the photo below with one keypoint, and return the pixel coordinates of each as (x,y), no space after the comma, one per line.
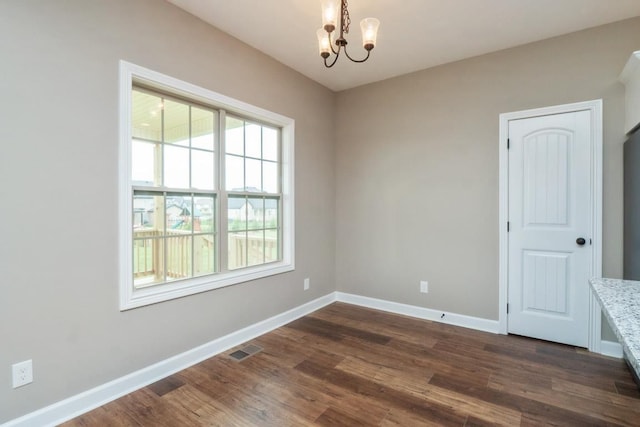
(149,261)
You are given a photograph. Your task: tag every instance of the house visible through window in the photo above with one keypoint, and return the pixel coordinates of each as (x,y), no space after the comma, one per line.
(209,201)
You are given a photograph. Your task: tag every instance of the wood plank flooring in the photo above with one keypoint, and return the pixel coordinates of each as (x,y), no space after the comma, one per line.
(349,366)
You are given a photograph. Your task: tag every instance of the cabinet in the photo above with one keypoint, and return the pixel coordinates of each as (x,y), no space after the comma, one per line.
(631,78)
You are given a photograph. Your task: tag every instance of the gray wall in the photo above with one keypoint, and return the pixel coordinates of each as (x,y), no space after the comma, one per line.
(412,179)
(58,192)
(417,166)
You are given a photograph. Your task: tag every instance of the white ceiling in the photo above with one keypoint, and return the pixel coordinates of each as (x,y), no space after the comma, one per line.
(413,35)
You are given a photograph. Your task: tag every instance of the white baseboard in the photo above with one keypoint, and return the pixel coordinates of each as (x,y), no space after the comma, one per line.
(606,348)
(611,348)
(421,312)
(79,404)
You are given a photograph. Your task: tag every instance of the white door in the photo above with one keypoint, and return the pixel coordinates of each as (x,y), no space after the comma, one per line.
(550,221)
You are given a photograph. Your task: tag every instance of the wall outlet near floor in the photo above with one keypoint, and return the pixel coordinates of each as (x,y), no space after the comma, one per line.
(424,286)
(22,373)
(306,284)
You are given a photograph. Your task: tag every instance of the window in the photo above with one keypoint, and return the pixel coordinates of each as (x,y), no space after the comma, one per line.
(206,189)
(252,182)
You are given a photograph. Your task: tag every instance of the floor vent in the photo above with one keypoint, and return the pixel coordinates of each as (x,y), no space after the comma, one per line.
(244,352)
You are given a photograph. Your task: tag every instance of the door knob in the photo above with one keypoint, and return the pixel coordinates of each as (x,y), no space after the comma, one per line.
(581,241)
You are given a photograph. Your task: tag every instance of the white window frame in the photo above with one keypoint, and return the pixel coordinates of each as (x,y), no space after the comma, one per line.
(130,297)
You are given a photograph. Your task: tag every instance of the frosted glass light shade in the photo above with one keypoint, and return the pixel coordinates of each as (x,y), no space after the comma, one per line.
(324,44)
(369,27)
(330,14)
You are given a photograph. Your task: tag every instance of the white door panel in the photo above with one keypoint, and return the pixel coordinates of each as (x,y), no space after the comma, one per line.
(549,209)
(545,282)
(546,181)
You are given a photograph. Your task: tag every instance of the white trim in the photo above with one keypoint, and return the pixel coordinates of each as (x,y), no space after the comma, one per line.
(630,77)
(462,320)
(595,107)
(130,297)
(595,323)
(503,216)
(596,344)
(611,349)
(125,234)
(81,403)
(630,68)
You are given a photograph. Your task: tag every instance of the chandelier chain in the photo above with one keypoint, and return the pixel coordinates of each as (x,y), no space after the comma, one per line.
(346,20)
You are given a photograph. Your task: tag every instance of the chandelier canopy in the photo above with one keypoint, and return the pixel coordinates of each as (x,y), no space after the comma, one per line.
(336,16)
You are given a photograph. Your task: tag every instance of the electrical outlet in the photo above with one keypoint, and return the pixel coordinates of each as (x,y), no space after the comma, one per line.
(22,373)
(306,284)
(424,286)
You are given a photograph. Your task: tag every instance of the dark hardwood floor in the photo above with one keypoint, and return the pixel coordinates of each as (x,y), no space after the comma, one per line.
(350,366)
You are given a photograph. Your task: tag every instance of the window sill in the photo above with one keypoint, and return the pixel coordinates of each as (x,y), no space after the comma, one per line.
(181,288)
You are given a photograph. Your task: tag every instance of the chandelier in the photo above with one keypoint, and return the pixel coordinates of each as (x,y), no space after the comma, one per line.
(332,12)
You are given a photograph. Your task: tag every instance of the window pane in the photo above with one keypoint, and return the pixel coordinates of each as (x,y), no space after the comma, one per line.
(178,256)
(255,213)
(271,211)
(202,170)
(237,213)
(271,245)
(178,212)
(237,250)
(272,232)
(202,128)
(204,212)
(253,140)
(148,265)
(253,175)
(176,122)
(234,173)
(270,177)
(204,254)
(255,247)
(269,144)
(176,167)
(147,215)
(146,116)
(143,163)
(234,136)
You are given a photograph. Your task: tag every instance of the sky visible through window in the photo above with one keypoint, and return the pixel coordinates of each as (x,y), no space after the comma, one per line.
(247,169)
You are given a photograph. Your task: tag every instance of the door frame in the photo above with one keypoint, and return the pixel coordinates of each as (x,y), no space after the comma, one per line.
(595,107)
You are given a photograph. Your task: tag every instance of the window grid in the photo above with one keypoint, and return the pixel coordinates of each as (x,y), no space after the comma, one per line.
(252,241)
(266,225)
(186,226)
(185,259)
(273,199)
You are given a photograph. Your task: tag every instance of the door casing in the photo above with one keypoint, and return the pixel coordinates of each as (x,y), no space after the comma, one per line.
(595,108)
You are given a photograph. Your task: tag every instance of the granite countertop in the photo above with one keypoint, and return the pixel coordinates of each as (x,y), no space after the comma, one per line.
(620,303)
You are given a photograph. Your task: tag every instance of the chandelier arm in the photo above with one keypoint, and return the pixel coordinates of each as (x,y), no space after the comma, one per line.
(335,59)
(344,22)
(335,52)
(356,60)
